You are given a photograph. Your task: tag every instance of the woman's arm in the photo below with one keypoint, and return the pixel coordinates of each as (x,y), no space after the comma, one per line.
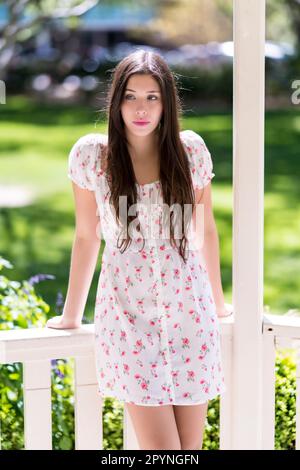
(210,247)
(84,257)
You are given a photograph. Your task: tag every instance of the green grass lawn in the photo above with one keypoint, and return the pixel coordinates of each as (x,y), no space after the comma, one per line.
(37,238)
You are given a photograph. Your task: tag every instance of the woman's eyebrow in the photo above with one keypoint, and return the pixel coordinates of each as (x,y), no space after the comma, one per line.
(151,91)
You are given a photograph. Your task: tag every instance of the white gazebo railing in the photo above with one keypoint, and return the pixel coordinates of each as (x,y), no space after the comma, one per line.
(36,347)
(249,340)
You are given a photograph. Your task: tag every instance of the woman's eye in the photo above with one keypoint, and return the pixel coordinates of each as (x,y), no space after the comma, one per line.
(152,96)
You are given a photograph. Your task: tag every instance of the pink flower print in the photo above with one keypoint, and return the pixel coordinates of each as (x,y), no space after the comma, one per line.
(153,369)
(186,395)
(140,303)
(162,247)
(116,367)
(190,376)
(111,337)
(185,343)
(163,275)
(151,272)
(142,381)
(124,387)
(204,347)
(128,281)
(175,378)
(103,314)
(180,307)
(138,272)
(123,335)
(195,316)
(105,348)
(149,338)
(176,273)
(193,270)
(168,256)
(188,283)
(126,369)
(187,360)
(138,346)
(167,307)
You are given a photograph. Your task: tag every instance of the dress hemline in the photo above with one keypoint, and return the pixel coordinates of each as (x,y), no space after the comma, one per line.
(109,394)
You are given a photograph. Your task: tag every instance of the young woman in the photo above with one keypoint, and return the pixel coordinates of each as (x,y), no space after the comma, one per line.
(159,296)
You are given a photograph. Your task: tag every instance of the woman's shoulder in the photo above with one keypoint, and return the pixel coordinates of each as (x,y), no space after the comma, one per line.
(191,137)
(87,158)
(93,138)
(95,144)
(199,157)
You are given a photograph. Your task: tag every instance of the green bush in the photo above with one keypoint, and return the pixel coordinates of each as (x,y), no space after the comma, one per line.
(21,307)
(285,399)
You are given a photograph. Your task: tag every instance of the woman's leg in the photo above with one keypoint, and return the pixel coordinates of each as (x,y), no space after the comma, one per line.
(155,426)
(190,420)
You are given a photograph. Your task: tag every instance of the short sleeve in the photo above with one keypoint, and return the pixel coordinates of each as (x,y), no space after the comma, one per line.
(83,159)
(199,158)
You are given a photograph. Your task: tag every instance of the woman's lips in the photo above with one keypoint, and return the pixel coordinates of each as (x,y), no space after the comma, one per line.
(141,123)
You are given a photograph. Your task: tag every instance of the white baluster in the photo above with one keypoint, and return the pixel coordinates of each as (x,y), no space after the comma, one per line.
(88,406)
(37,405)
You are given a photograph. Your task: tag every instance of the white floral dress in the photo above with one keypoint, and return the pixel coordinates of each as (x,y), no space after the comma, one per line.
(157,335)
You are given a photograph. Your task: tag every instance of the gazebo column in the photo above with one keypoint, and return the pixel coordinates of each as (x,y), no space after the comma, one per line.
(248,218)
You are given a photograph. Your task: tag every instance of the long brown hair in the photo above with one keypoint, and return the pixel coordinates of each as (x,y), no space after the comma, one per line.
(175,176)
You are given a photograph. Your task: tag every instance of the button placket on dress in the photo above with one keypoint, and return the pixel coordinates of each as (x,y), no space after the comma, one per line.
(164,338)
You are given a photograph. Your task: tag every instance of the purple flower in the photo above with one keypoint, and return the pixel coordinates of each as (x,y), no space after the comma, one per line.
(59,302)
(40,277)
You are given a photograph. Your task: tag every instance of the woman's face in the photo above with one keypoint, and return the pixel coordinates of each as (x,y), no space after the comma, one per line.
(141,101)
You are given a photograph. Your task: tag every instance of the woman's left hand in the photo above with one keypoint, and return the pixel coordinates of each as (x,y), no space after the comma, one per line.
(225,311)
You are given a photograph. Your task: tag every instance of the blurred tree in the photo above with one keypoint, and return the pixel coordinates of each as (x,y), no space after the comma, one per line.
(191,21)
(200,21)
(279,24)
(20,27)
(294,9)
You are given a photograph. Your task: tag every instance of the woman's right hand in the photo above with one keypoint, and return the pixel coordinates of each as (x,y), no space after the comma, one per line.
(59,322)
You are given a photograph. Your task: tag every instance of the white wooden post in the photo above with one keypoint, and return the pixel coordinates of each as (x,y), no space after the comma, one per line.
(37,405)
(226,403)
(269,377)
(248,180)
(87,406)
